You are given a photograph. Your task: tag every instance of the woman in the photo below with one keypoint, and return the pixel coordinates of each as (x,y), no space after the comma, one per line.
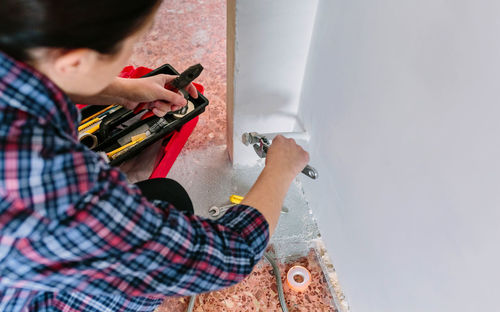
(74,235)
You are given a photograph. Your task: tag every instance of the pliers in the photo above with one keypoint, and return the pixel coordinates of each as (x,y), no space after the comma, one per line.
(177,85)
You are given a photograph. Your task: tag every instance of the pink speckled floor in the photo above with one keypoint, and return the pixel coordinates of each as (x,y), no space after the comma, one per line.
(258,292)
(185,33)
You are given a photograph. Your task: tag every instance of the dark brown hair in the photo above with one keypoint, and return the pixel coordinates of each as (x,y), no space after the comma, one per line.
(100,25)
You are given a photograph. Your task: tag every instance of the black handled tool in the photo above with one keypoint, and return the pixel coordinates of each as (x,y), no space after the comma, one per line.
(184,79)
(178,84)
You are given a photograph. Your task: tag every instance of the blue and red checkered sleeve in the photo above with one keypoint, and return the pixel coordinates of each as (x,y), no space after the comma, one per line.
(73,223)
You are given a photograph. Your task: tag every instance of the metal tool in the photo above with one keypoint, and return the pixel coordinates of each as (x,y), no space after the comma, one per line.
(178,85)
(261,144)
(184,79)
(137,138)
(134,140)
(216,212)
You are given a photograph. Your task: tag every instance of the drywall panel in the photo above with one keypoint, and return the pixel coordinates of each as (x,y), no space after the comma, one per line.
(401,99)
(270,48)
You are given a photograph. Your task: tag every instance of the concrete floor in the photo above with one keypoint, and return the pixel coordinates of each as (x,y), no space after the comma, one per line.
(210,179)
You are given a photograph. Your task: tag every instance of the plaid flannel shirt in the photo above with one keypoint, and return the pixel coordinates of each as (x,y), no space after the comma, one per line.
(76,236)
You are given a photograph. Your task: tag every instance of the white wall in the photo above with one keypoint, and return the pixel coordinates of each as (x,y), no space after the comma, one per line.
(271,47)
(402,100)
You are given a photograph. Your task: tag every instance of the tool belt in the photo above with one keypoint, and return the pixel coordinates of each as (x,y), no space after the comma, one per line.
(119,134)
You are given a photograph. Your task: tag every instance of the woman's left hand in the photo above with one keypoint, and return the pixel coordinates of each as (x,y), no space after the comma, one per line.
(151,90)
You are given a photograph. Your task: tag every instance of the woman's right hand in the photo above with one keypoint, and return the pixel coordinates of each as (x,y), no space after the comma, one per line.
(286,157)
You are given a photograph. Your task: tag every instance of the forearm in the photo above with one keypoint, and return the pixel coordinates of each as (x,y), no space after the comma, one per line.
(113,94)
(268,193)
(129,93)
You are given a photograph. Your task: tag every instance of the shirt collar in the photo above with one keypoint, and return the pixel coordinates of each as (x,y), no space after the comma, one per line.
(24,88)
